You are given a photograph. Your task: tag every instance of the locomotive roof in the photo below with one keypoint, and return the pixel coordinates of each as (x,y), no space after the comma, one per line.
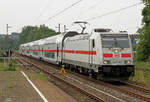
(113,33)
(52,39)
(80,36)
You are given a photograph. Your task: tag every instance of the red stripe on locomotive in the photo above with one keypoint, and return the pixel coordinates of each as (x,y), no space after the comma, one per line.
(126,55)
(109,55)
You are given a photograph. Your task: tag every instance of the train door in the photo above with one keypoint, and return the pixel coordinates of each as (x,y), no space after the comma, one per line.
(42,51)
(57,52)
(39,52)
(91,49)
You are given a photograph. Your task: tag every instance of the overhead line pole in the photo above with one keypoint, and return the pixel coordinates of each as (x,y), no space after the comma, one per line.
(7,29)
(58,27)
(65,28)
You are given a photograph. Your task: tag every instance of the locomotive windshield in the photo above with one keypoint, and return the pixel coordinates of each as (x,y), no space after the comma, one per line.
(115,41)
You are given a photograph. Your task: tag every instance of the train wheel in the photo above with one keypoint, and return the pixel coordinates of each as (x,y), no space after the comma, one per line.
(72,69)
(99,76)
(80,70)
(90,75)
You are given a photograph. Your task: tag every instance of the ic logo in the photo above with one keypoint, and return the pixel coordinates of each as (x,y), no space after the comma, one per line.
(117,55)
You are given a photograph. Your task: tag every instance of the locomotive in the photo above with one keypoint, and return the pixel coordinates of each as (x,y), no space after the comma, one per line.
(102,54)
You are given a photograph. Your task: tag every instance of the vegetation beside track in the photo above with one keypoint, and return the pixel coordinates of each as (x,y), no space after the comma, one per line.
(8,66)
(141,77)
(41,76)
(142,64)
(11,66)
(34,75)
(143,46)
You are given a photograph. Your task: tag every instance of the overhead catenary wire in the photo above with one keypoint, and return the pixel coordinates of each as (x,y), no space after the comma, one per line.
(112,12)
(19,29)
(42,12)
(62,11)
(36,19)
(93,18)
(90,8)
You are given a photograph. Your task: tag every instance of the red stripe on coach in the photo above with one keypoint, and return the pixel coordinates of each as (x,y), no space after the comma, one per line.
(68,51)
(86,52)
(49,50)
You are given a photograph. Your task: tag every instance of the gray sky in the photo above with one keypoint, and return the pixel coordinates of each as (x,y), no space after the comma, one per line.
(19,13)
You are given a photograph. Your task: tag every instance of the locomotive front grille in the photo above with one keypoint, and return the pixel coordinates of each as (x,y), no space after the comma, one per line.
(118,70)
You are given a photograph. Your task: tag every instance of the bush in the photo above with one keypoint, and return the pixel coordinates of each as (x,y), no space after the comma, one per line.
(11,66)
(1,58)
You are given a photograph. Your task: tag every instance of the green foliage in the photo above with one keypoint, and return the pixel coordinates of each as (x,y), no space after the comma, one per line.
(30,33)
(142,64)
(143,47)
(41,76)
(11,66)
(134,47)
(141,77)
(8,66)
(7,43)
(1,58)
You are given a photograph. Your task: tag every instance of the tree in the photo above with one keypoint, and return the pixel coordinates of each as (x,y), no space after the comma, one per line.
(32,33)
(7,43)
(143,47)
(28,34)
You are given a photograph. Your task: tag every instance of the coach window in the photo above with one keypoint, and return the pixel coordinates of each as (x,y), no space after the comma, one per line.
(50,55)
(93,43)
(57,50)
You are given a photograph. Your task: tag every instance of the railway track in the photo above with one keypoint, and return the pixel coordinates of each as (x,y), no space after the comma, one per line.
(51,74)
(140,88)
(123,89)
(139,96)
(101,94)
(144,69)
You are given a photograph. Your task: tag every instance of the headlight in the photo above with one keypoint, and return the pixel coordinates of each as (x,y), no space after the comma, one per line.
(116,51)
(128,62)
(106,62)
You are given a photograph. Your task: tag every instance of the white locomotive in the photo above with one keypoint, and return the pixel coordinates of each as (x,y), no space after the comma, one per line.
(102,54)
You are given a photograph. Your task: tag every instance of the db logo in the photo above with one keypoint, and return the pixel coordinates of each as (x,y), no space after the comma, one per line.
(117,55)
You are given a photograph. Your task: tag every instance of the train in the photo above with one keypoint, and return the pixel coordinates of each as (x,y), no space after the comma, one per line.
(102,54)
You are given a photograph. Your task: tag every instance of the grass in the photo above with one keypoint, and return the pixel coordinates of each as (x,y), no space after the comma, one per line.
(8,66)
(141,77)
(30,70)
(142,64)
(2,66)
(11,66)
(34,76)
(41,76)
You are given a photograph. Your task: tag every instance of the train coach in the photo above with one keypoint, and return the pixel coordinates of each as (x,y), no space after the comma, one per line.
(102,54)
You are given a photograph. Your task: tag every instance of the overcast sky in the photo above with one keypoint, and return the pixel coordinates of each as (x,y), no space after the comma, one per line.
(19,13)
